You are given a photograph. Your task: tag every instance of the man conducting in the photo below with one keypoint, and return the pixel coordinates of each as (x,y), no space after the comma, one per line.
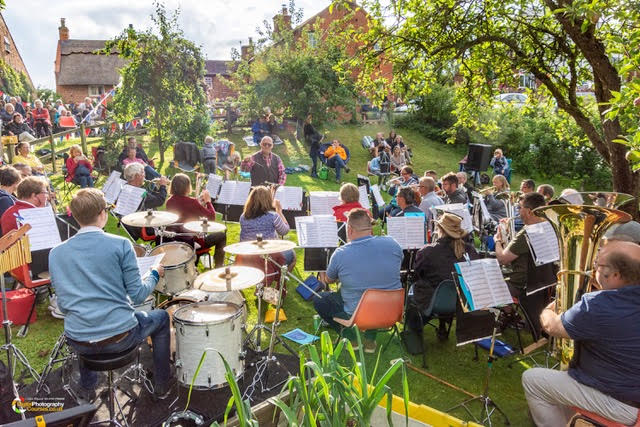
(265,166)
(603,377)
(366,262)
(94,275)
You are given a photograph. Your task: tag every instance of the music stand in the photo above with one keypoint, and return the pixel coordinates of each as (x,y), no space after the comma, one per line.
(14,252)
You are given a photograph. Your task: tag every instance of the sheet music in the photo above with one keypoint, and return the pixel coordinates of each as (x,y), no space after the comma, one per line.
(543,242)
(458,209)
(322,202)
(214,182)
(408,231)
(483,284)
(148,262)
(364,197)
(44,232)
(377,196)
(290,198)
(483,207)
(129,200)
(113,187)
(234,193)
(318,231)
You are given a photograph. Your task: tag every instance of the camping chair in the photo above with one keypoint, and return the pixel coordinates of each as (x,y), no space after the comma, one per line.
(378,309)
(186,156)
(23,275)
(595,419)
(68,186)
(323,159)
(442,307)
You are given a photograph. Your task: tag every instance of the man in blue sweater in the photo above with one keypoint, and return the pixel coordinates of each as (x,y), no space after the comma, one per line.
(96,279)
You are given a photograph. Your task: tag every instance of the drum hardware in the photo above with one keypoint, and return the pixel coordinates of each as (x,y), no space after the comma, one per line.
(179,417)
(230,278)
(59,354)
(203,226)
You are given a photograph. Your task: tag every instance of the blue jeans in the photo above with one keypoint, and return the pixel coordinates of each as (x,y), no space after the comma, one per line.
(331,305)
(150,173)
(154,324)
(82,177)
(336,162)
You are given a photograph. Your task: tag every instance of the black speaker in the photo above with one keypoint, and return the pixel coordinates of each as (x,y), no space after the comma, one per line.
(479,157)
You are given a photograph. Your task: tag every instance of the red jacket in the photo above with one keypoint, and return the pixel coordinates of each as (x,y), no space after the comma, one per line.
(41,114)
(72,165)
(190,209)
(340,210)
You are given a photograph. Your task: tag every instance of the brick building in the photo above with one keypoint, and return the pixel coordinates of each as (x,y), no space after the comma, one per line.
(9,52)
(80,72)
(215,72)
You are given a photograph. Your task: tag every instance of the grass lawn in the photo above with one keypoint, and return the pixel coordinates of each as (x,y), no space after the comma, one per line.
(445,360)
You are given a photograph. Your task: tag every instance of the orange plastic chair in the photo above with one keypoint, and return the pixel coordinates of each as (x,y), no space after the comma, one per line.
(378,309)
(597,420)
(67,122)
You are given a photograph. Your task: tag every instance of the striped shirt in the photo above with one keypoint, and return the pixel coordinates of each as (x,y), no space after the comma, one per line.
(270,225)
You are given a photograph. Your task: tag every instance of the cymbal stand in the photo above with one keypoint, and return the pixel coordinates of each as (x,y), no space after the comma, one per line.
(59,353)
(488,405)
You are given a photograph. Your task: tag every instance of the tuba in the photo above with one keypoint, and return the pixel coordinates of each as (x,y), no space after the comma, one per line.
(580,225)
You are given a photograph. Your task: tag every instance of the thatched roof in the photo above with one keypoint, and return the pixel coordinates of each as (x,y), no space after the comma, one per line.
(79,65)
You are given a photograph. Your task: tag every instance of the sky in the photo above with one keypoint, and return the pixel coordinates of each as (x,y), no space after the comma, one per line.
(215,25)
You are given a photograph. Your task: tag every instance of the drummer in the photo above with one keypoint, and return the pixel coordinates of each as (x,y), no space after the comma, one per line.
(94,274)
(192,209)
(263,215)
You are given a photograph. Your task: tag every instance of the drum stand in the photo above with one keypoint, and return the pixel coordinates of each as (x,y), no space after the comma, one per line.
(488,405)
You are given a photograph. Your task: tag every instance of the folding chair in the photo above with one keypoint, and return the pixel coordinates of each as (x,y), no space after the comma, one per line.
(187,156)
(596,420)
(324,160)
(379,310)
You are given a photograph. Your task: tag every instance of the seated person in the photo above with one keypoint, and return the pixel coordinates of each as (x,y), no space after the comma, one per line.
(408,201)
(26,157)
(9,180)
(41,119)
(406,179)
(453,193)
(350,198)
(154,197)
(192,209)
(434,263)
(366,262)
(149,172)
(603,376)
(260,129)
(547,191)
(463,182)
(499,163)
(227,158)
(406,151)
(79,168)
(25,170)
(398,160)
(101,318)
(140,153)
(336,158)
(272,125)
(378,145)
(6,115)
(392,138)
(209,155)
(427,188)
(263,215)
(19,128)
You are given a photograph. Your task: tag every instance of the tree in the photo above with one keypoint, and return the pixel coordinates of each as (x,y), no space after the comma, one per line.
(563,43)
(164,76)
(48,95)
(293,77)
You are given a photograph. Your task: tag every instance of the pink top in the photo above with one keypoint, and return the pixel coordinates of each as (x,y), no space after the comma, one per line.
(127,161)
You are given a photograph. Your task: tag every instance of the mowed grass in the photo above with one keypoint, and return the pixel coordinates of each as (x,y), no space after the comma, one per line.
(445,360)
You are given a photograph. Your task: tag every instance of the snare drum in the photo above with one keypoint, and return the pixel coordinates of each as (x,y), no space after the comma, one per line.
(235,297)
(179,267)
(147,305)
(208,325)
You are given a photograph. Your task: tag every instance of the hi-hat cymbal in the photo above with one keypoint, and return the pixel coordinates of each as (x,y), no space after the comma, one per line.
(239,278)
(204,226)
(149,219)
(261,247)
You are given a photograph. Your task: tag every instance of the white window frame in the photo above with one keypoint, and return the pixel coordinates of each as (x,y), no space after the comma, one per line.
(313,41)
(95,90)
(208,80)
(7,45)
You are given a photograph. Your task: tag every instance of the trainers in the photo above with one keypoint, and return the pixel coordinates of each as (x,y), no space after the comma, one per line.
(56,313)
(346,169)
(370,346)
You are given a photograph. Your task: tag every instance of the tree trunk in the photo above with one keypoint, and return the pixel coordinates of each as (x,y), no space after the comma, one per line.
(159,137)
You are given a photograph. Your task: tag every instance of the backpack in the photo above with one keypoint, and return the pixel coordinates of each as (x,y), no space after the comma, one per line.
(367,142)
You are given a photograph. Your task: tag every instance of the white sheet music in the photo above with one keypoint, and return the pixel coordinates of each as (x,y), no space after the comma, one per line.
(377,196)
(290,198)
(214,182)
(234,193)
(322,202)
(113,187)
(458,209)
(129,200)
(318,231)
(543,242)
(364,197)
(148,262)
(486,216)
(408,231)
(44,232)
(484,283)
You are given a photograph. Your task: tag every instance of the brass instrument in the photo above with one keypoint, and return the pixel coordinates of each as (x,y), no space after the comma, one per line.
(508,227)
(488,190)
(580,228)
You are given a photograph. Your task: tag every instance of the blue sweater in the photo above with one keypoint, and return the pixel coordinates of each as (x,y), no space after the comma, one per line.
(93,273)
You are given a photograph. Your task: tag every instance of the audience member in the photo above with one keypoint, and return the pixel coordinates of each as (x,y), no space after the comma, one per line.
(19,128)
(25,156)
(398,160)
(41,119)
(336,158)
(499,163)
(9,180)
(79,168)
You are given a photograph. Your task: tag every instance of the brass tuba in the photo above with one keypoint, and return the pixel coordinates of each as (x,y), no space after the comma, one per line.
(580,227)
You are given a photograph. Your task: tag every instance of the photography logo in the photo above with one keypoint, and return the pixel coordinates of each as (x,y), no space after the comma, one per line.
(18,405)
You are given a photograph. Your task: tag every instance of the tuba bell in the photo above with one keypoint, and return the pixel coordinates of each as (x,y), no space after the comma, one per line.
(580,227)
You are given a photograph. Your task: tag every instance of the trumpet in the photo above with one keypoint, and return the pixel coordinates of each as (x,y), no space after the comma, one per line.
(488,190)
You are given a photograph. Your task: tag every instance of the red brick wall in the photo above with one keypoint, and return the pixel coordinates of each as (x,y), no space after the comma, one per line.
(76,93)
(13,57)
(219,90)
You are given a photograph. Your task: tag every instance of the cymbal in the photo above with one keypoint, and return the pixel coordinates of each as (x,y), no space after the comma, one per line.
(149,219)
(262,247)
(205,226)
(240,277)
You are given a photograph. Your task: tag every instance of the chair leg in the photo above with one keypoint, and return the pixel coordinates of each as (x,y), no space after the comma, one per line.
(25,328)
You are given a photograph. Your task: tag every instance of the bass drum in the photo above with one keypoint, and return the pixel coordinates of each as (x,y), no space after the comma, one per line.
(171,306)
(179,267)
(208,325)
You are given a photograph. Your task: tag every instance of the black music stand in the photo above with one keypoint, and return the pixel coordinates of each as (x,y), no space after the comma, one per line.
(317,259)
(229,213)
(478,333)
(290,215)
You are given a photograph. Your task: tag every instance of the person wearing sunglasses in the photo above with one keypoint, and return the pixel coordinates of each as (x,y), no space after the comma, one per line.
(265,166)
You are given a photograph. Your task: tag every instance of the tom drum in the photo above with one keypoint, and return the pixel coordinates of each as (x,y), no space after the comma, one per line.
(179,267)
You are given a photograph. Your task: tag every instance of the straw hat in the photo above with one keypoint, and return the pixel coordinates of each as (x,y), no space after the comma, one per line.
(452,225)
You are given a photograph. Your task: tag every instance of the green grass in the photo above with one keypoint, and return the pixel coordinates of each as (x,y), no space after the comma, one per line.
(445,360)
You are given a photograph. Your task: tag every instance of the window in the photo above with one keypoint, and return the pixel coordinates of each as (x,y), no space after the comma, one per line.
(527,81)
(208,81)
(313,41)
(96,90)
(7,45)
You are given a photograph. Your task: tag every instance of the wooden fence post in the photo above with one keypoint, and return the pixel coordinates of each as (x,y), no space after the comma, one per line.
(53,154)
(83,139)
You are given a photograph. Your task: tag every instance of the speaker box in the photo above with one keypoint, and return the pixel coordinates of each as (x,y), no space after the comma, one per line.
(479,157)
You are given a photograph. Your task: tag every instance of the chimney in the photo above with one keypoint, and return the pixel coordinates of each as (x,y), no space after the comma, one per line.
(282,21)
(63,31)
(246,51)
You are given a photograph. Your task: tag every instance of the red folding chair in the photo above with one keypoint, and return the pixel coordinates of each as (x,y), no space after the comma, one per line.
(597,420)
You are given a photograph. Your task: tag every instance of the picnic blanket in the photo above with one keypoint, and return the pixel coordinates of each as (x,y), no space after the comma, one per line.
(249,140)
